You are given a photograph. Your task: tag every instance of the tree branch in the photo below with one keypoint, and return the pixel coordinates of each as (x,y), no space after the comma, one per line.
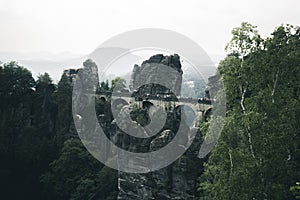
(275,84)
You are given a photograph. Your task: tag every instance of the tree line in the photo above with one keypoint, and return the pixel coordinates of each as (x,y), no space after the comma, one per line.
(258,154)
(40,157)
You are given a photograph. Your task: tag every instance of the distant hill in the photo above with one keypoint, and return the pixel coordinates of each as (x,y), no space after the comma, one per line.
(40,62)
(54,64)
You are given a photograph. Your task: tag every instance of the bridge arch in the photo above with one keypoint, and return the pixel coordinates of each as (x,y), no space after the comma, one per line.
(147,104)
(103,99)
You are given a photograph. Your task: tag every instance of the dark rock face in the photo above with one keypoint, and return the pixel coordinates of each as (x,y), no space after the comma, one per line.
(178,180)
(151,71)
(213,86)
(90,70)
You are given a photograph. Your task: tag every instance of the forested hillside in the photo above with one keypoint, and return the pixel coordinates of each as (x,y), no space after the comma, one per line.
(257,155)
(41,155)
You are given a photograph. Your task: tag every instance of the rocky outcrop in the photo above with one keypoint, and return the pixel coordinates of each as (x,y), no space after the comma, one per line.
(178,180)
(213,86)
(158,68)
(89,76)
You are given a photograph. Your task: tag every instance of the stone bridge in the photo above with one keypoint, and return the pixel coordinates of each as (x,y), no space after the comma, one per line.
(201,107)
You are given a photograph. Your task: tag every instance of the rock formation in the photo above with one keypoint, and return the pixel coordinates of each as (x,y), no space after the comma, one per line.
(152,70)
(178,180)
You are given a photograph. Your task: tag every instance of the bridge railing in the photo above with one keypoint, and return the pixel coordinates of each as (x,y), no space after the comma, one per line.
(161,96)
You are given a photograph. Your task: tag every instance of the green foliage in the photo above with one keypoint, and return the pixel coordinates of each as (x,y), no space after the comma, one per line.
(257,155)
(296,190)
(35,118)
(74,166)
(26,124)
(140,115)
(77,175)
(16,83)
(64,106)
(45,107)
(104,86)
(245,39)
(118,84)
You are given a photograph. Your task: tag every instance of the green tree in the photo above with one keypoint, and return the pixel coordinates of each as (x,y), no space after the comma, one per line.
(104,86)
(74,165)
(257,155)
(296,190)
(21,143)
(64,106)
(16,83)
(118,84)
(45,107)
(102,186)
(78,175)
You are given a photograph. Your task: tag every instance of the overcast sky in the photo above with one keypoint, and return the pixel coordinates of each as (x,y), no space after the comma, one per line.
(80,26)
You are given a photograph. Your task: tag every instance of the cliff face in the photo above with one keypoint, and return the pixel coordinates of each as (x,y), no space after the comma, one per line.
(178,180)
(153,70)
